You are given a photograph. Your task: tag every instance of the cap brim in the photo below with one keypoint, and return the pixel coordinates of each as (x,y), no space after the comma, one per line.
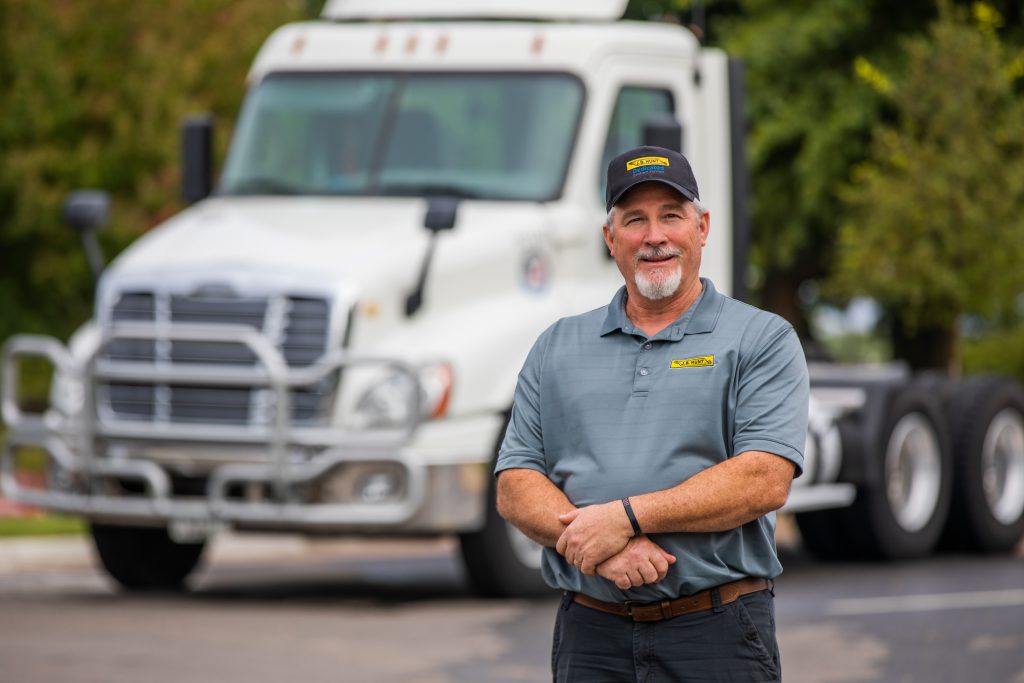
(689,196)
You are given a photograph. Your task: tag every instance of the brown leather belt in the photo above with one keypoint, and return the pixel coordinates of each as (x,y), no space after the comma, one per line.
(667,609)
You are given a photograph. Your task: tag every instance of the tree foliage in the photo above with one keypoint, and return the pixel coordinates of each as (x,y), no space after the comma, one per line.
(821,77)
(933,223)
(810,119)
(92,95)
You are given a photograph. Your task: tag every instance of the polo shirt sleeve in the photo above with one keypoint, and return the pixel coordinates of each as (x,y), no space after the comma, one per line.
(772,398)
(523,445)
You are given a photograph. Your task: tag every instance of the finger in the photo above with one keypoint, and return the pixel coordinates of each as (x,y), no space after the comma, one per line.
(560,546)
(568,517)
(635,578)
(648,573)
(588,567)
(623,582)
(668,556)
(660,564)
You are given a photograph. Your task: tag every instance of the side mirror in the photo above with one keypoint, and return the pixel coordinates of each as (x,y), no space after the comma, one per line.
(86,212)
(664,130)
(197,157)
(440,213)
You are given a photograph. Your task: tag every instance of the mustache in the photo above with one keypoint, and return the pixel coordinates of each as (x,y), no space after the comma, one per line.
(655,252)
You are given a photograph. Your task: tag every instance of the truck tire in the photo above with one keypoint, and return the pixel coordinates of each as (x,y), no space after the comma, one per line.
(500,561)
(987,513)
(144,558)
(824,534)
(901,511)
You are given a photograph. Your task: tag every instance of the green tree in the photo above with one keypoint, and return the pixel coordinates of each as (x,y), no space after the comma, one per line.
(809,120)
(935,217)
(92,96)
(816,88)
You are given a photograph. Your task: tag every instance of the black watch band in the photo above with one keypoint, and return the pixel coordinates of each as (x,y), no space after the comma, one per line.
(632,516)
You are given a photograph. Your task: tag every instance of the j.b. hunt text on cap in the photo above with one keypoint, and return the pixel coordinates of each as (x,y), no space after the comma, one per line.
(647,164)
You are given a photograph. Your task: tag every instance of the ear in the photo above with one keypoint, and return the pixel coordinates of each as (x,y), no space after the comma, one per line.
(705,227)
(609,239)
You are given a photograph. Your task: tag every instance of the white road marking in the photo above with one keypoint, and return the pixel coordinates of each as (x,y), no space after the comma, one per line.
(927,603)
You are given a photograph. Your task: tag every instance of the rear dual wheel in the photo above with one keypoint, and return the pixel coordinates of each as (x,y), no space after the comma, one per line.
(988,498)
(901,509)
(906,509)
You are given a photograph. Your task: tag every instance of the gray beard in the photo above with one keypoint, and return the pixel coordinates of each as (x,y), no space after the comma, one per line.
(661,288)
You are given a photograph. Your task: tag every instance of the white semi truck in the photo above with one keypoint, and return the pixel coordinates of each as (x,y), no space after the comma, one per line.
(328,342)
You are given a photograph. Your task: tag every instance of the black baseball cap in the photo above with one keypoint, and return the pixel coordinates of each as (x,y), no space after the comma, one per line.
(649,164)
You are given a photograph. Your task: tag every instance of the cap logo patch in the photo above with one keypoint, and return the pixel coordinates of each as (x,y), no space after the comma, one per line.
(645,164)
(697,362)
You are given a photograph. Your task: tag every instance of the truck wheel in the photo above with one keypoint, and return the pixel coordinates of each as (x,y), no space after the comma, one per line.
(501,561)
(144,558)
(901,512)
(824,534)
(988,493)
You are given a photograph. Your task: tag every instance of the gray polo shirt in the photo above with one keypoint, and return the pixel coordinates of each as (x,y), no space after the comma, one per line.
(606,412)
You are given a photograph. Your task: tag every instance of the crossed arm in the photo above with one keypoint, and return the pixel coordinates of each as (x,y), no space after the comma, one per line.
(531,502)
(597,538)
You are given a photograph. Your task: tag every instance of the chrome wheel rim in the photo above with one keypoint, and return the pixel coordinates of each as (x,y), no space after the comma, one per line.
(1002,466)
(913,469)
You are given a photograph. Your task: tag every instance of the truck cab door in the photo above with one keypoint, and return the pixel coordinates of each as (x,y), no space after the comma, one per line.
(625,93)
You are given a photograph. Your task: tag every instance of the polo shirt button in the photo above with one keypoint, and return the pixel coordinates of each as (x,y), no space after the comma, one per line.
(644,371)
(648,346)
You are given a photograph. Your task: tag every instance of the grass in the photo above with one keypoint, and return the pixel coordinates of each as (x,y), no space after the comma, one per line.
(30,459)
(41,525)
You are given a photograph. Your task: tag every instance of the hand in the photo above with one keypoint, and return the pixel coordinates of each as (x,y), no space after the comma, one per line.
(641,561)
(594,533)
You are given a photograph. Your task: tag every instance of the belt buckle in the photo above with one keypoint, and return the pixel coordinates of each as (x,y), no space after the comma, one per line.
(629,605)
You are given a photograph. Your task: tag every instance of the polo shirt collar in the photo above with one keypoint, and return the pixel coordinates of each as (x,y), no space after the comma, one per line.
(708,309)
(702,318)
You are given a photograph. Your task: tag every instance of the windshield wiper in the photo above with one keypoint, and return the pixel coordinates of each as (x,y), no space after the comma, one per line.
(429,190)
(259,185)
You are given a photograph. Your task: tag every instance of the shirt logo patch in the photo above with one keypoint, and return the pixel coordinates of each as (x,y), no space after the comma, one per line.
(695,362)
(641,164)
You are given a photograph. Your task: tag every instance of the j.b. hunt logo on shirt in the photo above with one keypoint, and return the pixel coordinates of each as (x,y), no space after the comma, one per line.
(695,362)
(645,164)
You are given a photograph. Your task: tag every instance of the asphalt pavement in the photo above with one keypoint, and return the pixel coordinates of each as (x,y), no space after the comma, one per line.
(270,608)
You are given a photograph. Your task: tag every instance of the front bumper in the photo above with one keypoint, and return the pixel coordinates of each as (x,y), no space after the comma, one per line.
(99,468)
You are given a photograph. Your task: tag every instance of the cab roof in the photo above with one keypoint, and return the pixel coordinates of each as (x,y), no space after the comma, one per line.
(576,47)
(541,10)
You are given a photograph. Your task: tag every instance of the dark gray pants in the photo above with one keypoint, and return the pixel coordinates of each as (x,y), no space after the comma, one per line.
(734,642)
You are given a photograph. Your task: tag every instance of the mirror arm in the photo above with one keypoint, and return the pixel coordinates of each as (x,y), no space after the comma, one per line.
(441,212)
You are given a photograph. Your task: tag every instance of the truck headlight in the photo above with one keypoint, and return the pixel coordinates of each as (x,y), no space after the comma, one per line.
(386,405)
(67,394)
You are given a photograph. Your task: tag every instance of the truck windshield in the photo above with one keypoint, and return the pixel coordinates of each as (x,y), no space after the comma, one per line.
(489,136)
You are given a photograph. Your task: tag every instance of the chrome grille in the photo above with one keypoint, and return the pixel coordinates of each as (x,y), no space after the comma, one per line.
(305,331)
(298,326)
(249,312)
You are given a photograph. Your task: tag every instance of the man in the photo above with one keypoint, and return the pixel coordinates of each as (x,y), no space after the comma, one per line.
(650,442)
